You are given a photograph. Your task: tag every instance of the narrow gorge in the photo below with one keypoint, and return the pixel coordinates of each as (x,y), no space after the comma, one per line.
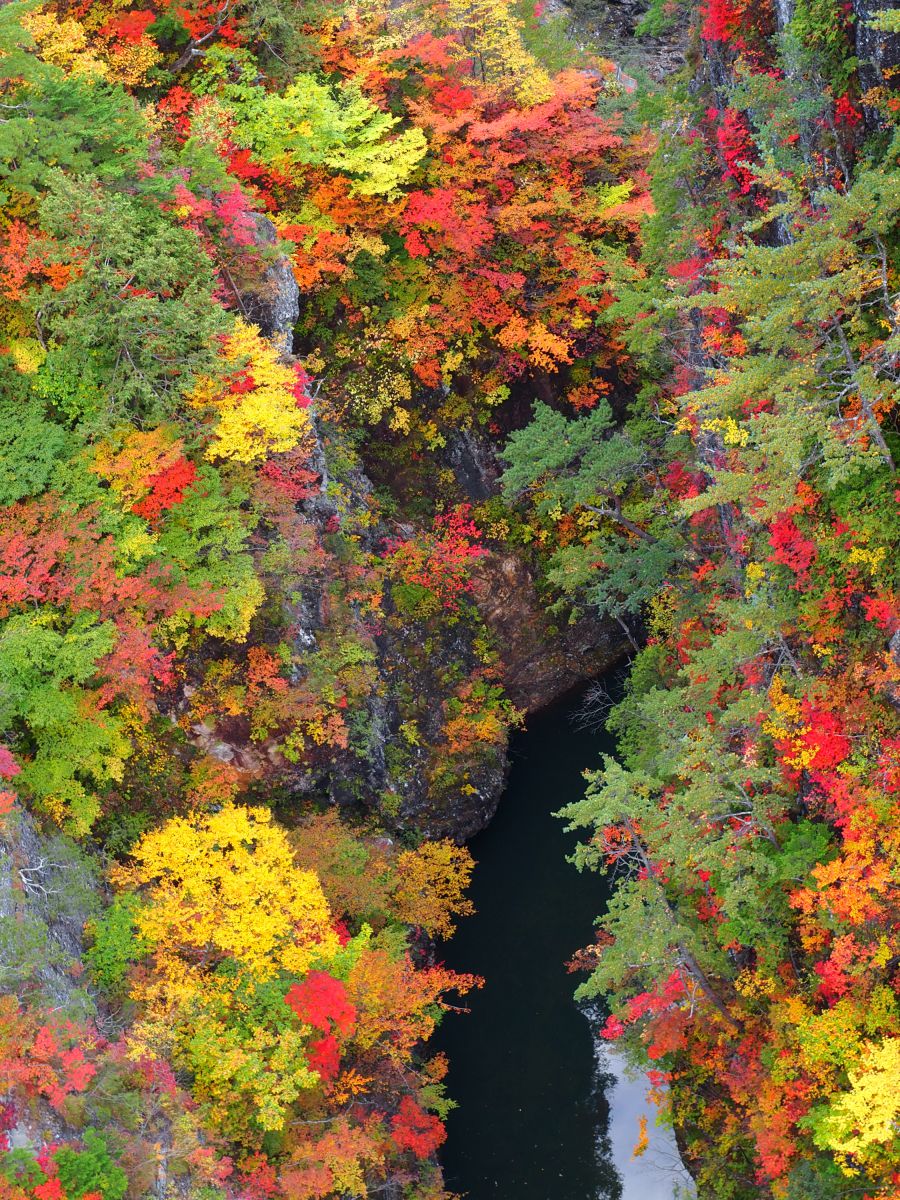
(449,624)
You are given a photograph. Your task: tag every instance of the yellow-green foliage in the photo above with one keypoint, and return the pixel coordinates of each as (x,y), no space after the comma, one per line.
(260,416)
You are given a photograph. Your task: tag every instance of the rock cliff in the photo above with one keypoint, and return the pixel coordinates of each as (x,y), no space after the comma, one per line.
(403,765)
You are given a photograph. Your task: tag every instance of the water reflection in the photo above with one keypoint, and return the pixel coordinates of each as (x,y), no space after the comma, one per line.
(534,1119)
(658,1173)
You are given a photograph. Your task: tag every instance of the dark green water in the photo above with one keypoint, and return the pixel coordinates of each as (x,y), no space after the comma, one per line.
(533,1114)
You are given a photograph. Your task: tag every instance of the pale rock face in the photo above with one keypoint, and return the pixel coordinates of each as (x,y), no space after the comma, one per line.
(275,307)
(48,889)
(784,12)
(878,53)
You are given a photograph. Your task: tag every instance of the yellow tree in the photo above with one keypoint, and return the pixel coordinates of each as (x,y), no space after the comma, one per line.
(862,1125)
(431,886)
(230,920)
(223,885)
(492,35)
(254,400)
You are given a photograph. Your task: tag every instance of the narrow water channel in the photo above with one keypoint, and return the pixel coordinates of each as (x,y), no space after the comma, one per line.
(538,1118)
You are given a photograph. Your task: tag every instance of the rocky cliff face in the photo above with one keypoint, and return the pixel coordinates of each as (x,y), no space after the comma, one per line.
(878,53)
(47,892)
(404,766)
(609,26)
(540,661)
(274,303)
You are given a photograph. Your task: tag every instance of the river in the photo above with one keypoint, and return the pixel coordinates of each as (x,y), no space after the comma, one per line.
(544,1112)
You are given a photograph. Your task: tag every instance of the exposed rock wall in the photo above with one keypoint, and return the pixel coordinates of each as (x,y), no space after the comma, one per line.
(48,889)
(878,53)
(274,303)
(609,27)
(540,660)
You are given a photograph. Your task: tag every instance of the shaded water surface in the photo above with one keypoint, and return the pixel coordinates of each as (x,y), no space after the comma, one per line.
(533,1120)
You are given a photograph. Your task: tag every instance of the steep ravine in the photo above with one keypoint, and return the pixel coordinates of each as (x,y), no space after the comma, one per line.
(539,661)
(540,1116)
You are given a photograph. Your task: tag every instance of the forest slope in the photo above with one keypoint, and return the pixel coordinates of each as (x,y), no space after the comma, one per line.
(240,572)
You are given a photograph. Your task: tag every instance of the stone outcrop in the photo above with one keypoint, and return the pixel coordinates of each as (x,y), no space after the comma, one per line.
(48,889)
(541,661)
(609,28)
(878,53)
(474,466)
(274,302)
(47,892)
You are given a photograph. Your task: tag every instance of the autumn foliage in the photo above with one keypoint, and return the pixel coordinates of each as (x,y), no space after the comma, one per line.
(239,545)
(746,512)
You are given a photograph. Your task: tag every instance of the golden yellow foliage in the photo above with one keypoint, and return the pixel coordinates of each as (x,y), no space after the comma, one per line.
(27,354)
(226,911)
(492,35)
(253,399)
(64,44)
(432,886)
(128,64)
(864,1121)
(224,885)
